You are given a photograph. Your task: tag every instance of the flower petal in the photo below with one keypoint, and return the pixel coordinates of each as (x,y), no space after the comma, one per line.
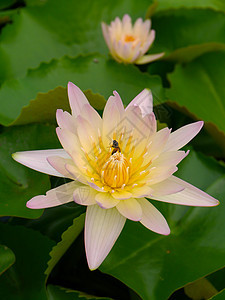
(169,159)
(166,187)
(92,116)
(182,136)
(68,140)
(106,35)
(105,200)
(130,209)
(152,218)
(58,163)
(148,58)
(76,173)
(84,195)
(144,100)
(66,121)
(156,144)
(37,160)
(121,194)
(87,134)
(191,195)
(112,116)
(77,99)
(58,196)
(102,228)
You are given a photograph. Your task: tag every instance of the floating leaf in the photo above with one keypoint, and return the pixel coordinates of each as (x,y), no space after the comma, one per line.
(185,34)
(88,72)
(42,32)
(199,88)
(59,293)
(7,258)
(200,289)
(67,239)
(25,279)
(43,108)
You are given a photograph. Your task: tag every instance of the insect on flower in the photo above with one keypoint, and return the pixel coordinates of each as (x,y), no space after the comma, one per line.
(113,184)
(116,147)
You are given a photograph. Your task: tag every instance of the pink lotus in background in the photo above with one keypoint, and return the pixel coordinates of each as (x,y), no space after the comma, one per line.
(114,163)
(128,43)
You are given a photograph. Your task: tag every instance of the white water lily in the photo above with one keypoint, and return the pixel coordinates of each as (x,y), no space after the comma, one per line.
(114,162)
(129,43)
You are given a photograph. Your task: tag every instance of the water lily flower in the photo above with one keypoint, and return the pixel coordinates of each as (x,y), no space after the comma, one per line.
(114,163)
(128,43)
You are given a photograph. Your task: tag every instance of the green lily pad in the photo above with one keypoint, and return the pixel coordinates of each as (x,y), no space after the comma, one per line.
(174,4)
(59,293)
(7,258)
(43,32)
(200,289)
(154,265)
(67,239)
(93,72)
(43,108)
(25,279)
(185,34)
(199,88)
(219,296)
(18,183)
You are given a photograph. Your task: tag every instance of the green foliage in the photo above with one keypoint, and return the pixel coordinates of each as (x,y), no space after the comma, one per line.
(68,237)
(59,293)
(43,45)
(199,87)
(185,34)
(25,279)
(7,258)
(127,80)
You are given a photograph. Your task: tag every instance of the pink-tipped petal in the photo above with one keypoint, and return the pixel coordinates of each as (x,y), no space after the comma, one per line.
(92,116)
(105,200)
(77,99)
(166,187)
(58,163)
(157,143)
(102,228)
(130,209)
(148,42)
(87,134)
(169,159)
(152,218)
(66,121)
(55,197)
(112,116)
(148,58)
(106,35)
(190,196)
(68,140)
(84,195)
(182,136)
(144,100)
(37,160)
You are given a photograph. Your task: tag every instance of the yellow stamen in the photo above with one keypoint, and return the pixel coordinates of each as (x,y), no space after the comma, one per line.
(115,172)
(129,38)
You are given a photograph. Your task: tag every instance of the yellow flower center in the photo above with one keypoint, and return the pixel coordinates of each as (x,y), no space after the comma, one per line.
(115,172)
(129,38)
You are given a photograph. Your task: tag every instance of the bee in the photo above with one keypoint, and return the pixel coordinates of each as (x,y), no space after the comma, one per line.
(116,147)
